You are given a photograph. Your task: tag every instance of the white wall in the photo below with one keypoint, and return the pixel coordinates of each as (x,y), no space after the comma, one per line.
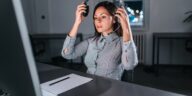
(27,6)
(62,16)
(167,15)
(164,16)
(34,10)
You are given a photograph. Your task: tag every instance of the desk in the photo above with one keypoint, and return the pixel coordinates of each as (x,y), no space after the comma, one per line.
(99,86)
(166,36)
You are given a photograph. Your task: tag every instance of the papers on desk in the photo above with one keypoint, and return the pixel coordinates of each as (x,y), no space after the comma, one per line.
(63,84)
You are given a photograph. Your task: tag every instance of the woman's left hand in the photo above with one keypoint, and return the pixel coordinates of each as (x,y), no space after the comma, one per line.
(123,18)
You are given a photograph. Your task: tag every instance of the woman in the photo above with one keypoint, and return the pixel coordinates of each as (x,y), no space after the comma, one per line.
(112,49)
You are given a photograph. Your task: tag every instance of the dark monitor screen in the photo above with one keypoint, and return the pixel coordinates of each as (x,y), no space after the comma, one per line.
(18,75)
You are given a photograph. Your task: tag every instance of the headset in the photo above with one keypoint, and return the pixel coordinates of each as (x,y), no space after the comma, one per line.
(87,8)
(118,3)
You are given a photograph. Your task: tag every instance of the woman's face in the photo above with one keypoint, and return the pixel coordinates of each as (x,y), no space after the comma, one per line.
(103,20)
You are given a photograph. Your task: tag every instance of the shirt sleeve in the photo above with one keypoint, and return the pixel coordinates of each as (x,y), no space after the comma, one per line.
(129,57)
(72,51)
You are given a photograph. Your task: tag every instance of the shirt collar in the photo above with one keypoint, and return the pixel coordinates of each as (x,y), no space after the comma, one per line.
(112,36)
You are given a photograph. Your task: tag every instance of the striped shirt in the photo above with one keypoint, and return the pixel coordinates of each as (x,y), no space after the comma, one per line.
(108,56)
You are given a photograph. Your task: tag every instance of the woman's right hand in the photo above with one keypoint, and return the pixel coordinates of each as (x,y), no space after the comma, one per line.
(80,10)
(78,19)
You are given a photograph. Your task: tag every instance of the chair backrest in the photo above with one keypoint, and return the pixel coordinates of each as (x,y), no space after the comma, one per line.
(188,45)
(128,76)
(47,47)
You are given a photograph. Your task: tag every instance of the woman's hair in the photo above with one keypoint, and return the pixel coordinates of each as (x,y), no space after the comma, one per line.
(111,8)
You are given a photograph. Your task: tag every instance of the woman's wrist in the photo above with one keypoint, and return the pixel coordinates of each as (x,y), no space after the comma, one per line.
(127,35)
(74,30)
(76,23)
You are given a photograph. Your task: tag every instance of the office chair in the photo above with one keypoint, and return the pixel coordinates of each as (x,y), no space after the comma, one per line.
(128,75)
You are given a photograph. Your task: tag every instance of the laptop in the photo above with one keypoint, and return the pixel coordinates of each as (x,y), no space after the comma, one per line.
(18,73)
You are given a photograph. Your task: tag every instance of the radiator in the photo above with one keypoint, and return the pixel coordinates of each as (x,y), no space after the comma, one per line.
(139,39)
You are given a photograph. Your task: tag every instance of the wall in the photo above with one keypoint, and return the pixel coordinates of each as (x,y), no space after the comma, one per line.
(34,11)
(27,10)
(62,16)
(167,16)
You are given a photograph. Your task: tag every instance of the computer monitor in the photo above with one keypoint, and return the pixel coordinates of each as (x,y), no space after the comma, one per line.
(18,73)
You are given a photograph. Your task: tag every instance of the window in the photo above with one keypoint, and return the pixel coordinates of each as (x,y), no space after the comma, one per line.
(137,13)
